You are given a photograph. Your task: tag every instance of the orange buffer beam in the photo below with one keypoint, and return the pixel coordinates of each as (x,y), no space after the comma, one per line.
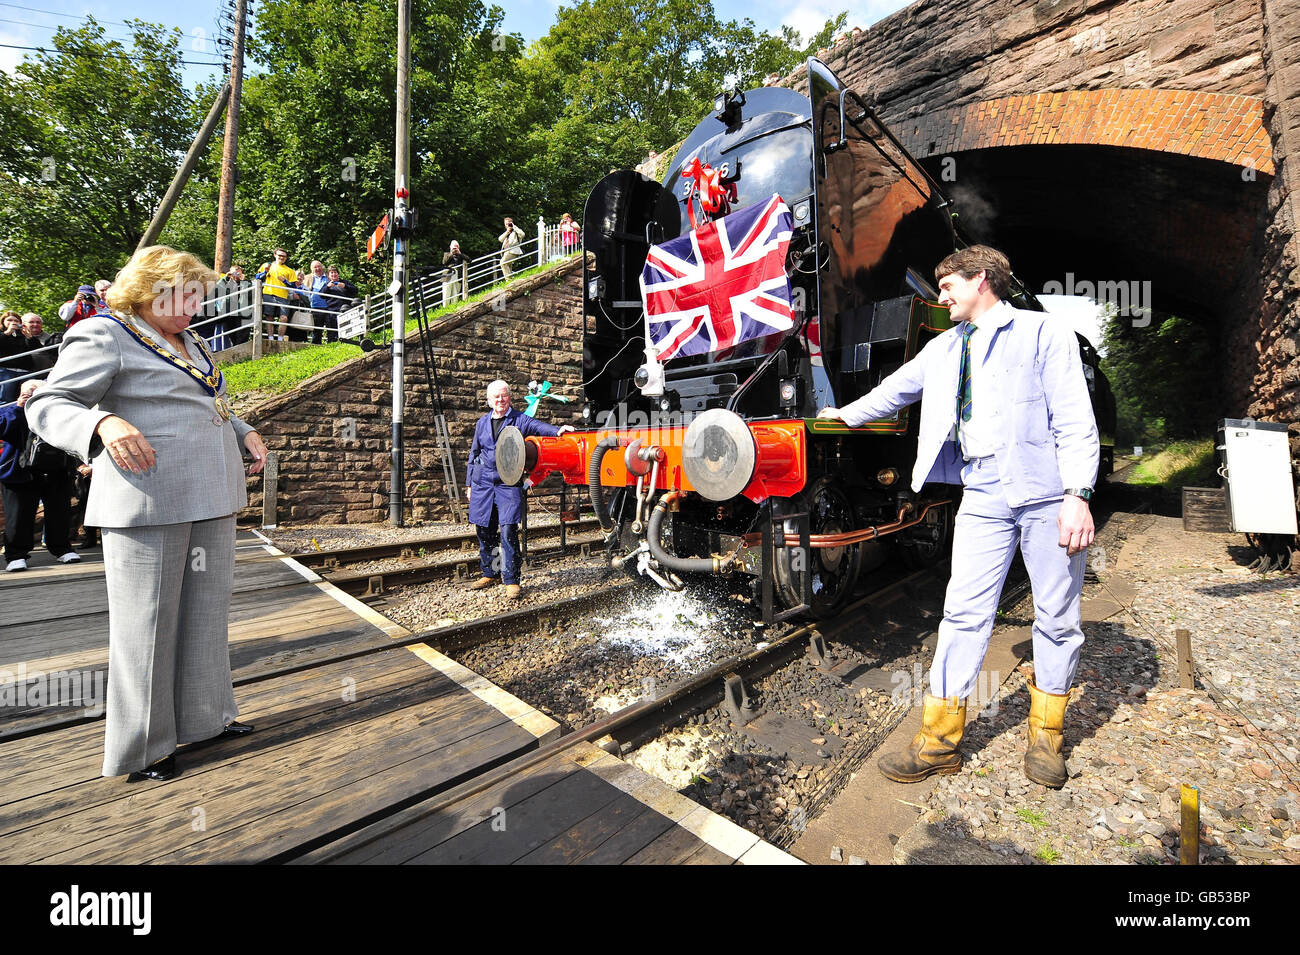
(780,453)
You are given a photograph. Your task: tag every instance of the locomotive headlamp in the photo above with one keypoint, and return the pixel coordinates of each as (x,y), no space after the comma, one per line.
(649,378)
(887,476)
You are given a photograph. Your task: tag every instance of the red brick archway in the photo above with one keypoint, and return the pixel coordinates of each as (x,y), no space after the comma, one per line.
(1216,126)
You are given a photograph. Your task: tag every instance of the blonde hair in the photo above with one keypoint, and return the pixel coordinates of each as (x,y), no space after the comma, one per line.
(157,270)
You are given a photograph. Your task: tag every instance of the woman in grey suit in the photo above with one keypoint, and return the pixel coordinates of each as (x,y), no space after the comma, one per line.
(139,396)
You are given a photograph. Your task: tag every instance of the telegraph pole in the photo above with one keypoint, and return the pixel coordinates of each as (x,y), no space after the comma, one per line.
(401,234)
(230,153)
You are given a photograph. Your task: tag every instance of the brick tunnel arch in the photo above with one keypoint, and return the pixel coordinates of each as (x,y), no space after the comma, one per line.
(1215,126)
(1166,187)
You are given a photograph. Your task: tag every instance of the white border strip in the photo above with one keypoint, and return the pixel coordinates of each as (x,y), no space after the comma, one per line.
(706,825)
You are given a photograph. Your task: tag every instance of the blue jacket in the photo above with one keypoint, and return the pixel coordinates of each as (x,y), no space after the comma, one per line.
(481,475)
(1047,434)
(13,438)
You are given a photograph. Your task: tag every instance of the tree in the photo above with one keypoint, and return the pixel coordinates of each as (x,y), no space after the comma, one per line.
(1159,374)
(93,134)
(623,77)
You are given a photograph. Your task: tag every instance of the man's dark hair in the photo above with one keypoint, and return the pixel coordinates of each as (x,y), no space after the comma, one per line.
(969,262)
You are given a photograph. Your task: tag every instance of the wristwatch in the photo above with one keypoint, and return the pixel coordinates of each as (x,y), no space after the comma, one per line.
(1082,492)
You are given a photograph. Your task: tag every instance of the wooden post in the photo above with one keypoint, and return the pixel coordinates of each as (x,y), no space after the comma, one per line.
(270,488)
(1189,843)
(1186,669)
(230,149)
(257,318)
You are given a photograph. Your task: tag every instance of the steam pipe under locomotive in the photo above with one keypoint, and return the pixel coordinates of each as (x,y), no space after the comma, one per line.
(717,462)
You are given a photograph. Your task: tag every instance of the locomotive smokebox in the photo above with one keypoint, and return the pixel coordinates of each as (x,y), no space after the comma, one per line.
(515,457)
(719,454)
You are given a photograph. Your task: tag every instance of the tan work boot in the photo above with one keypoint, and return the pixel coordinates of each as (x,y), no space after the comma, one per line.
(513,591)
(482,583)
(1044,763)
(934,749)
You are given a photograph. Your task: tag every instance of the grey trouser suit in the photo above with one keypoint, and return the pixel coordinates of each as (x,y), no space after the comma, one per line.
(168,534)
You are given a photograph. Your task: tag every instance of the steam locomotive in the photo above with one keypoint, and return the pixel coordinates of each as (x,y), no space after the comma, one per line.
(717,463)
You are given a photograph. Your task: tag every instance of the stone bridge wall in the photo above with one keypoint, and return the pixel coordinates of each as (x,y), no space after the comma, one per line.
(534,330)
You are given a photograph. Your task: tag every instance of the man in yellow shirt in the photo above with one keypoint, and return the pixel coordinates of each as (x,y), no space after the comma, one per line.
(277,280)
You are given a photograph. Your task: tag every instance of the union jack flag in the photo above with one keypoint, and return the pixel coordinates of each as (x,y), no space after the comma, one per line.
(721,284)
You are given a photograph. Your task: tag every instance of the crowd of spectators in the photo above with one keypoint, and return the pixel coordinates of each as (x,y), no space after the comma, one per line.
(297,306)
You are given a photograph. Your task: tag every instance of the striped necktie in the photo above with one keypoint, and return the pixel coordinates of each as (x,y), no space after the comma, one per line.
(963,377)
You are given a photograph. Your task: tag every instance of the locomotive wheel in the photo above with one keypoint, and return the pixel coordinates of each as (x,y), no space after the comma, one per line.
(928,548)
(834,569)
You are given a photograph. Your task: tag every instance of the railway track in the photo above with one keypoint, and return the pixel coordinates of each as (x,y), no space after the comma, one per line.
(723,684)
(448,557)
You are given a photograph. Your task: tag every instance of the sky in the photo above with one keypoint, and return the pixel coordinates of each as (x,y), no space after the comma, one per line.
(31,22)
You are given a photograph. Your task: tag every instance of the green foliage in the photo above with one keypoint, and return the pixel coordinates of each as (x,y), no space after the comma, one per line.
(1035,819)
(497,128)
(1164,378)
(275,374)
(93,133)
(1181,464)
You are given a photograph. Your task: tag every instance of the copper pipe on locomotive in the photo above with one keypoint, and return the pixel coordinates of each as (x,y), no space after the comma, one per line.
(874,532)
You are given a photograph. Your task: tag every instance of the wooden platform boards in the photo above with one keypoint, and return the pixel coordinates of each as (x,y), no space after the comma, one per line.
(581,807)
(359,750)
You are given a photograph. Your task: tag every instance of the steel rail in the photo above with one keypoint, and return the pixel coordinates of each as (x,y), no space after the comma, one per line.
(410,548)
(375,583)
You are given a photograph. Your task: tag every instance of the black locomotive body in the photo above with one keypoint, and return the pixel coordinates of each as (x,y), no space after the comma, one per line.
(721,465)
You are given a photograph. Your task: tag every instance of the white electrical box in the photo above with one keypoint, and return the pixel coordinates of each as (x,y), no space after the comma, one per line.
(1257,475)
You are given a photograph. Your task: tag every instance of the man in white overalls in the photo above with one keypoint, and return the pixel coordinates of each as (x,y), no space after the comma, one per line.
(1004,412)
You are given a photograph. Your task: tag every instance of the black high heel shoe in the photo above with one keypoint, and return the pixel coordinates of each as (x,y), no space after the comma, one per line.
(160,771)
(234,729)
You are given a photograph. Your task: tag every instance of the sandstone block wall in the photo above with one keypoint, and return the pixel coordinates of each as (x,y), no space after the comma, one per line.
(333,433)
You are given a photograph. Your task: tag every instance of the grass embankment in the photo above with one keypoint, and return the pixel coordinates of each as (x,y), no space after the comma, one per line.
(275,374)
(1180,464)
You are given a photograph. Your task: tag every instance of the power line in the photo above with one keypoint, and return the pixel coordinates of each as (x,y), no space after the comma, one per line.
(69,16)
(182,61)
(57,26)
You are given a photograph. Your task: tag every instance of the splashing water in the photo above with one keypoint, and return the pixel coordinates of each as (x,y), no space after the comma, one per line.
(677,627)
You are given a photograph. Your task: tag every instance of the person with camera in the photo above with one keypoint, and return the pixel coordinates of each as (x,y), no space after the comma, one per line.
(82,305)
(13,360)
(32,471)
(233,297)
(510,247)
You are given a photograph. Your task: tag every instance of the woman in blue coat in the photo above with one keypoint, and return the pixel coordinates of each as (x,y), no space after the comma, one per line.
(496,508)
